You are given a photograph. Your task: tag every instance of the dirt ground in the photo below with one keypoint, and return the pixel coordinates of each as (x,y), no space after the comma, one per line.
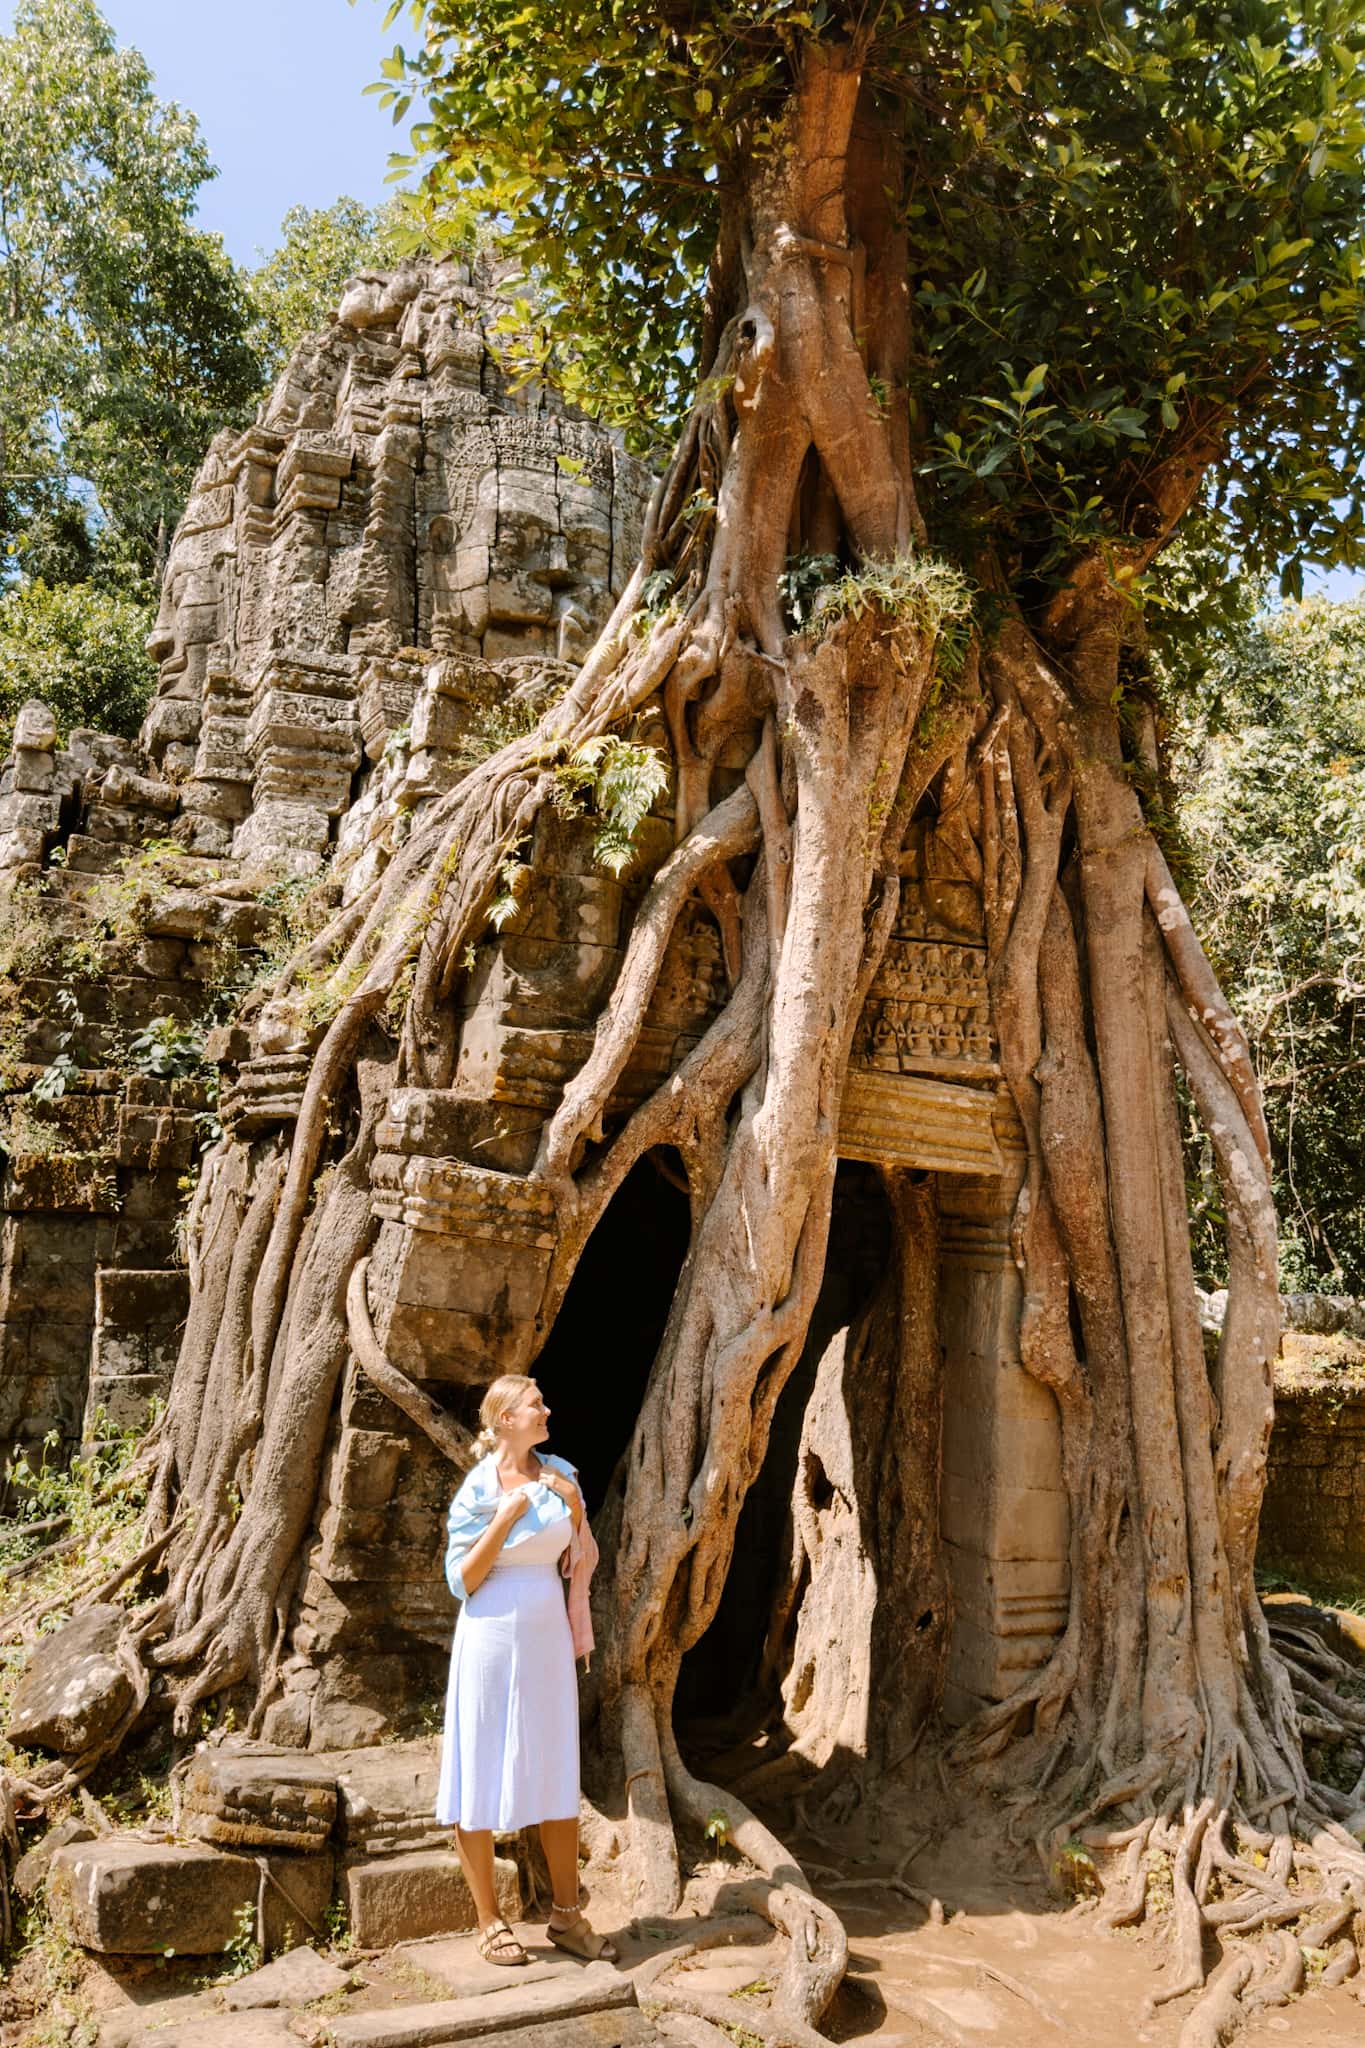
(1009,1963)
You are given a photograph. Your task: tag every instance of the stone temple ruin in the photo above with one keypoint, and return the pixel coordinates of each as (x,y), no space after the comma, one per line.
(399,554)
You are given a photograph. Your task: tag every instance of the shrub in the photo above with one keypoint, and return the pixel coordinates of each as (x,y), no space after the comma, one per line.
(78,648)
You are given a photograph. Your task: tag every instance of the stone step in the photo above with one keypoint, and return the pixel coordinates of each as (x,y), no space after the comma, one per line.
(625,2028)
(543,2007)
(454,1962)
(270,1995)
(401,1898)
(218,2030)
(123,1895)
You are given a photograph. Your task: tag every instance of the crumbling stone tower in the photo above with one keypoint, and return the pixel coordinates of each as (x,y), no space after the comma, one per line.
(344,571)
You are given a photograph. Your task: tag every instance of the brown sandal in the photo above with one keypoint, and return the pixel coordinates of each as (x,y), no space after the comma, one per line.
(579,1939)
(498,1944)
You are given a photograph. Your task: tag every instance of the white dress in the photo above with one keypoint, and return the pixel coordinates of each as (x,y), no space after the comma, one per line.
(509,1756)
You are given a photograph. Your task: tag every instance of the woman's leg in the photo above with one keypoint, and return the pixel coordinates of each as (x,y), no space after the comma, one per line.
(559,1840)
(475,1849)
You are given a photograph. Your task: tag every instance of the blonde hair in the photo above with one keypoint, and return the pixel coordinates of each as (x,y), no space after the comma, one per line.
(500,1399)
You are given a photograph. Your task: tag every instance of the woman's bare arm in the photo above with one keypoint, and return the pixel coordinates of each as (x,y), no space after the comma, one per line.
(479,1560)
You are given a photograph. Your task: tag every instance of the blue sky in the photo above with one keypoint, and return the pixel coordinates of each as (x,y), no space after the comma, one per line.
(277,86)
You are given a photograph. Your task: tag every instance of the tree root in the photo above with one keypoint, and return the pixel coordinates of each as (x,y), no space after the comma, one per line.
(775,2029)
(817,1946)
(1219,1895)
(455,1443)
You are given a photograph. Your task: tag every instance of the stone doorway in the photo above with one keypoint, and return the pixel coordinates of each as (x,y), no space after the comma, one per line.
(596,1361)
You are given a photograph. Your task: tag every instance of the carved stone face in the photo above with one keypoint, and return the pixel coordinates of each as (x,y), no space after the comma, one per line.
(521,563)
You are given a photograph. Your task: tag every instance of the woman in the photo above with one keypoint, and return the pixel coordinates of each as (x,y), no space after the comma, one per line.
(510,1753)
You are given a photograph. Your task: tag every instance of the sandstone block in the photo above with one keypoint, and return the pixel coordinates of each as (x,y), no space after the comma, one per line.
(292,1979)
(124,1897)
(20,812)
(404,1898)
(139,792)
(258,1800)
(35,771)
(366,1469)
(122,1402)
(171,721)
(36,726)
(74,1690)
(387,1799)
(121,1897)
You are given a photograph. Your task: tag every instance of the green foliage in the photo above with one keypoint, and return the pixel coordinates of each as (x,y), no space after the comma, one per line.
(58,1075)
(496,722)
(243,1953)
(512,878)
(1272,756)
(1074,1871)
(96,1495)
(46,1970)
(801,582)
(1136,235)
(621,779)
(126,339)
(78,648)
(297,288)
(917,587)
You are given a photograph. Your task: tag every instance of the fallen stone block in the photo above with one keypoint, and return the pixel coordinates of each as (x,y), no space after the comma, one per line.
(260,1800)
(35,726)
(119,1896)
(598,1987)
(74,1691)
(291,1980)
(221,2030)
(30,1872)
(403,1898)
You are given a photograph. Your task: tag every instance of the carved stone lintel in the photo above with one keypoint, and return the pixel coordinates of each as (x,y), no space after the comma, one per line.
(470,1202)
(901,1120)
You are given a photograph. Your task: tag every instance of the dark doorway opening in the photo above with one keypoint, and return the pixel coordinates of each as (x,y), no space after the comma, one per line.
(723,1685)
(595,1364)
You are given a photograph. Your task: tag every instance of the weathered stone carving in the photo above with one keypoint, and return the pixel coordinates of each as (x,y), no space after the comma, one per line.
(343,573)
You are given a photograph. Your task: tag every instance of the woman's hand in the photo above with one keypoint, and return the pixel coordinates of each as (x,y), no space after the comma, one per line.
(511,1507)
(567,1491)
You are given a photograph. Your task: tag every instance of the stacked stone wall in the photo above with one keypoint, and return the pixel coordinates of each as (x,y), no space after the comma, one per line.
(1313,1515)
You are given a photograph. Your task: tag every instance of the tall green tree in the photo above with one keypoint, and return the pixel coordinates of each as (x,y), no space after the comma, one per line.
(1023,286)
(126,327)
(1272,775)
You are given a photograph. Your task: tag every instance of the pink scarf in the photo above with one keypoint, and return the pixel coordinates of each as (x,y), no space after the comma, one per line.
(578,1565)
